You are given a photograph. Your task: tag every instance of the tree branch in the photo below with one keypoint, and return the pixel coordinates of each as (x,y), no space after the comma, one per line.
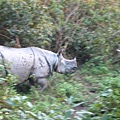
(73,33)
(5,37)
(116,61)
(72,12)
(18,42)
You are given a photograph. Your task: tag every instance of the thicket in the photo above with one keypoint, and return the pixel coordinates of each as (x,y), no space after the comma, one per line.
(87,29)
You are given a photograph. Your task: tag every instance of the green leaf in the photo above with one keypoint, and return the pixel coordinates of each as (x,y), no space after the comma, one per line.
(78,104)
(105,117)
(68,114)
(11,103)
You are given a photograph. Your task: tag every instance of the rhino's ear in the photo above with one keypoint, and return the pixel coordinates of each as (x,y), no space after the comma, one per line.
(60,52)
(74,59)
(118,50)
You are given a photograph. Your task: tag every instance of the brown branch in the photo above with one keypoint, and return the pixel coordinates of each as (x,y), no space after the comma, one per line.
(65,46)
(73,33)
(58,45)
(5,37)
(61,40)
(18,42)
(17,39)
(116,61)
(72,12)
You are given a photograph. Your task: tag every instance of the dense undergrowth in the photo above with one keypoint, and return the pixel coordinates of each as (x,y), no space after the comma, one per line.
(87,29)
(92,93)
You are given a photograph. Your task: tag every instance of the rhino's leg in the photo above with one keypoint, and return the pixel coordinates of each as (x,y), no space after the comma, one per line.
(31,81)
(43,83)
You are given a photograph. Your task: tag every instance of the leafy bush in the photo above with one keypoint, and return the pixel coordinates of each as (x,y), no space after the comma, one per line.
(13,105)
(28,20)
(89,29)
(108,103)
(85,29)
(70,98)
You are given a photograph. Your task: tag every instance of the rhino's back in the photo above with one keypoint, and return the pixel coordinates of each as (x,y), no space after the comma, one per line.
(19,60)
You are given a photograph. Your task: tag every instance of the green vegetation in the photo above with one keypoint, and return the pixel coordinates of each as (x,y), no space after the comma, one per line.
(88,94)
(89,30)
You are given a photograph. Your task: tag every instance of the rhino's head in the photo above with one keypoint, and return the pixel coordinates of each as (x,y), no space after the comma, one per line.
(65,66)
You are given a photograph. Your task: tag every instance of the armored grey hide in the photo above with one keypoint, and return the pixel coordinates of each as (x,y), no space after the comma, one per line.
(24,62)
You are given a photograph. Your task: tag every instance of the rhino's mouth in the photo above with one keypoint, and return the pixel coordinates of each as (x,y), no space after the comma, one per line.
(70,71)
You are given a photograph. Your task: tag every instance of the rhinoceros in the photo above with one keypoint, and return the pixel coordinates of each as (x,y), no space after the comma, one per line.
(35,61)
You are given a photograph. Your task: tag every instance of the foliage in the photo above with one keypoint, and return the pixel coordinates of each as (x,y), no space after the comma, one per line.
(88,29)
(13,105)
(40,106)
(60,101)
(108,105)
(26,19)
(85,95)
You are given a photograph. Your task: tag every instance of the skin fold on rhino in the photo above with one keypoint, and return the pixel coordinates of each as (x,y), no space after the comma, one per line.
(36,62)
